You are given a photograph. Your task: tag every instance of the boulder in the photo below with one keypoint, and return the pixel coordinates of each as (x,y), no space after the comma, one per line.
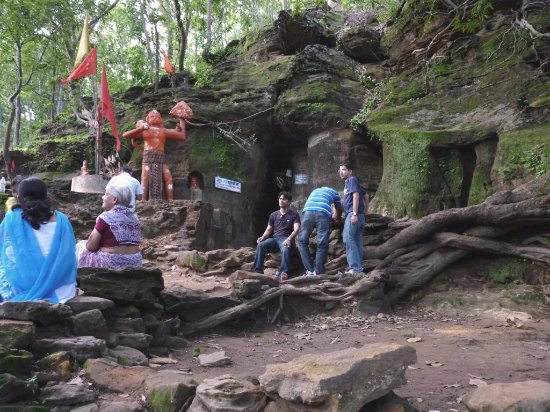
(169,390)
(339,381)
(15,361)
(83,303)
(67,395)
(13,389)
(122,407)
(60,364)
(528,396)
(214,359)
(41,313)
(192,305)
(132,286)
(16,334)
(139,341)
(90,322)
(362,43)
(81,347)
(112,377)
(126,356)
(229,394)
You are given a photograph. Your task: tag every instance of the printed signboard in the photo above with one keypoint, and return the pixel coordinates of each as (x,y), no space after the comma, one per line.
(226,184)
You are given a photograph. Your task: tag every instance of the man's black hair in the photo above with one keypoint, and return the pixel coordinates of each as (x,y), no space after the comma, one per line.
(286,195)
(347,165)
(127,169)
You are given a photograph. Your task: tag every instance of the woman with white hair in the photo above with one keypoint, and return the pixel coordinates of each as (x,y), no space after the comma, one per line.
(114,242)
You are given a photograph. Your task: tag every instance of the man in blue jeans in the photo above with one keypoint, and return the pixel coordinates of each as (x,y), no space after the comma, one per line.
(316,215)
(282,228)
(355,209)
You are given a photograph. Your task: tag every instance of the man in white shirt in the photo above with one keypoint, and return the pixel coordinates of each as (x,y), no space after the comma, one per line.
(125,178)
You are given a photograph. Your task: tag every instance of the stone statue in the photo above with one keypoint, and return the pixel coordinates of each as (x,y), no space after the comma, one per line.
(84,169)
(155,171)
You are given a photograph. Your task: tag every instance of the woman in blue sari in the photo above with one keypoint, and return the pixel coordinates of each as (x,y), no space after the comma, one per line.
(37,249)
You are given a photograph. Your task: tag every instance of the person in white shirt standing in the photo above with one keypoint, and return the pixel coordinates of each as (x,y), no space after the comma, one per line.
(124,178)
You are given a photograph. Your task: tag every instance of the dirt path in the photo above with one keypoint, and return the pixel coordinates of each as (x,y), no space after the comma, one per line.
(457,350)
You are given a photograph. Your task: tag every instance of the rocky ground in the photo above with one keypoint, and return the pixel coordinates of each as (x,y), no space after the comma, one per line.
(459,347)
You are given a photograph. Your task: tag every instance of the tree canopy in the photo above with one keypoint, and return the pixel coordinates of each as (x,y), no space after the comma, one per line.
(39,40)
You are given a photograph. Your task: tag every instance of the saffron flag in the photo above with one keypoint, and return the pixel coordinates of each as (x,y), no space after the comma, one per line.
(84,69)
(84,45)
(167,65)
(106,107)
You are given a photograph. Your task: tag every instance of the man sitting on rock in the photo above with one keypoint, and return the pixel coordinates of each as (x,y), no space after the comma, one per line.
(282,228)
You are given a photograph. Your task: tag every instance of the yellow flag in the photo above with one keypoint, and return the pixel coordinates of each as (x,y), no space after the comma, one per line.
(84,46)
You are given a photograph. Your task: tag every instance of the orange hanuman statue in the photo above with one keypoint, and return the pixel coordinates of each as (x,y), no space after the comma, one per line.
(154,168)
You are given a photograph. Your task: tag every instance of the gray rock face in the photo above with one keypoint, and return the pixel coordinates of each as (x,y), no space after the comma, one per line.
(122,407)
(127,356)
(339,381)
(90,322)
(16,334)
(41,313)
(67,395)
(228,394)
(13,389)
(193,305)
(15,361)
(299,32)
(214,359)
(81,347)
(139,341)
(528,396)
(138,287)
(115,378)
(171,385)
(362,44)
(83,303)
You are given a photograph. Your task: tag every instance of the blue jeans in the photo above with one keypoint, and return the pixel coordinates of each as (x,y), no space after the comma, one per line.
(270,245)
(320,221)
(353,239)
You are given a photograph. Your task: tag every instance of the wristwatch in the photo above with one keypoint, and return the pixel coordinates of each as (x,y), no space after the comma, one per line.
(354,213)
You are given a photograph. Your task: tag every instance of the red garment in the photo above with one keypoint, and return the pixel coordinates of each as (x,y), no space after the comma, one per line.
(107,237)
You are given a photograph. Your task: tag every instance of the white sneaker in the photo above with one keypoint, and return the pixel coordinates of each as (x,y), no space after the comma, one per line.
(308,273)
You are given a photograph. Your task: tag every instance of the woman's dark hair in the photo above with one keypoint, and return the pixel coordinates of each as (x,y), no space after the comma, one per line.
(32,197)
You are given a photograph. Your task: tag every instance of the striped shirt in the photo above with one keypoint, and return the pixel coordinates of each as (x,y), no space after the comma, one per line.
(321,199)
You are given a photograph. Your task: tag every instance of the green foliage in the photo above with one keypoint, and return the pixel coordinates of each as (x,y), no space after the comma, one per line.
(373,99)
(121,360)
(161,398)
(196,351)
(505,273)
(472,19)
(205,74)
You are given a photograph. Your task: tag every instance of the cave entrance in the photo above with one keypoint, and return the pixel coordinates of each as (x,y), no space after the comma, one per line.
(462,175)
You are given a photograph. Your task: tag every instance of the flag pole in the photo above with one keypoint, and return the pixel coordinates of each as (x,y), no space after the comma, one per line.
(98,126)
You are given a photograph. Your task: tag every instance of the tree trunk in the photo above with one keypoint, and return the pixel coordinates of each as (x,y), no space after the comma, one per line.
(13,102)
(146,34)
(183,35)
(17,126)
(157,56)
(208,29)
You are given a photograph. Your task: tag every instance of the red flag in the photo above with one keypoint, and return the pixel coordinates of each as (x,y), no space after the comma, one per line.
(167,65)
(84,69)
(106,107)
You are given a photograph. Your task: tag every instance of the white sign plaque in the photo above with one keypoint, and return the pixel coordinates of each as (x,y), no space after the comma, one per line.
(226,184)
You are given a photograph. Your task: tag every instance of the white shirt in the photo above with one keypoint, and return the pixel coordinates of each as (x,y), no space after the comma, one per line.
(125,179)
(44,236)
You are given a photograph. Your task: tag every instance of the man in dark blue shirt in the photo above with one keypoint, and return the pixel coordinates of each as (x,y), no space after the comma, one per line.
(355,208)
(282,228)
